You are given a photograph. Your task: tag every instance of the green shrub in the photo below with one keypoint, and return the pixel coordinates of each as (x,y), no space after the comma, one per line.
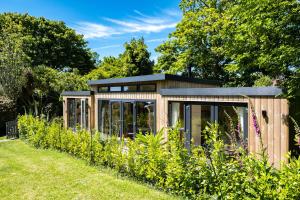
(205,172)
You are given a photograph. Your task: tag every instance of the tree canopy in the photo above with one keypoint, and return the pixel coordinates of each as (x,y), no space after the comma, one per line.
(237,42)
(134,61)
(50,43)
(13,62)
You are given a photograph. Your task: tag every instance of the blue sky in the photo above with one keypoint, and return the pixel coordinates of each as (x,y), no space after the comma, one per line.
(107,24)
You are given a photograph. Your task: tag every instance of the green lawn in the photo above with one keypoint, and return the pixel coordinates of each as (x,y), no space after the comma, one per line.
(2,137)
(29,173)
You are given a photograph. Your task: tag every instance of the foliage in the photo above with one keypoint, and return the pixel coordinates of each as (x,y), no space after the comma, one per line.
(136,58)
(196,42)
(205,172)
(236,42)
(263,81)
(13,60)
(134,61)
(48,42)
(42,93)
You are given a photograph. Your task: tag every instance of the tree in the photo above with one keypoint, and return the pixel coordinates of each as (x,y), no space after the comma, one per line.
(136,58)
(134,61)
(196,41)
(50,43)
(42,93)
(13,61)
(237,42)
(262,38)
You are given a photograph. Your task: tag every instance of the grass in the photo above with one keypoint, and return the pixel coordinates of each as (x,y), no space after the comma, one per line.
(2,137)
(29,173)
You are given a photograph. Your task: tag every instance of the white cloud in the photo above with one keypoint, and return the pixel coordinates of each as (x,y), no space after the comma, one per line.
(92,30)
(107,47)
(140,23)
(136,26)
(156,40)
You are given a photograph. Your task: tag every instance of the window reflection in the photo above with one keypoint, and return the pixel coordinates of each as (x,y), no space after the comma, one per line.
(103,117)
(116,118)
(77,112)
(145,117)
(128,130)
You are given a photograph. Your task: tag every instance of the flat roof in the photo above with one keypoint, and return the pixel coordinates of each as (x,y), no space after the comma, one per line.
(149,78)
(77,93)
(229,91)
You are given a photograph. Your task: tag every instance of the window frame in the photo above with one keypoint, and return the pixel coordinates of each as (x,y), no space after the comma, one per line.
(214,116)
(122,101)
(138,88)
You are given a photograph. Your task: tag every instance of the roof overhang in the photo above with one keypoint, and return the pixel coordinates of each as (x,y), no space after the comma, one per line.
(77,93)
(230,91)
(149,78)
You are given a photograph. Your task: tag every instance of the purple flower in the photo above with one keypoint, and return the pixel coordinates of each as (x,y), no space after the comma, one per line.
(255,124)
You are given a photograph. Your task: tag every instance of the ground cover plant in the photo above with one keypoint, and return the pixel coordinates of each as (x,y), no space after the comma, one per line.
(215,170)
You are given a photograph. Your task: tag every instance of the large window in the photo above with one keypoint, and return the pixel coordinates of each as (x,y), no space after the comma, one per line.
(103,117)
(200,116)
(236,116)
(145,117)
(197,115)
(125,118)
(116,118)
(77,112)
(176,114)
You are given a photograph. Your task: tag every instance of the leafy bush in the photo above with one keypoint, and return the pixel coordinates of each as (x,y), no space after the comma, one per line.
(204,172)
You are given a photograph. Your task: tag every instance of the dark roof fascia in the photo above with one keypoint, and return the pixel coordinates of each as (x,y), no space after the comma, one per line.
(77,93)
(149,78)
(230,91)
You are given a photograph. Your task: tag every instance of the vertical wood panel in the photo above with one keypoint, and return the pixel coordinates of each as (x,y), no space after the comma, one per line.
(284,130)
(277,130)
(271,129)
(251,133)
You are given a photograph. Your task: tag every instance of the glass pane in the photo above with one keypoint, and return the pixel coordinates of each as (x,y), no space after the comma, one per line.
(103,117)
(115,88)
(148,88)
(128,131)
(116,118)
(103,89)
(71,113)
(145,117)
(200,115)
(86,113)
(78,112)
(83,119)
(176,114)
(239,120)
(130,88)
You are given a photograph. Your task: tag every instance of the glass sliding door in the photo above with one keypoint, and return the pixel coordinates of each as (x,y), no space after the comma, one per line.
(197,115)
(176,114)
(128,120)
(84,113)
(77,112)
(145,117)
(200,116)
(115,118)
(71,113)
(124,118)
(103,117)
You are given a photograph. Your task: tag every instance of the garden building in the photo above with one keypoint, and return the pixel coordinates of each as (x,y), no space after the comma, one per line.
(126,106)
